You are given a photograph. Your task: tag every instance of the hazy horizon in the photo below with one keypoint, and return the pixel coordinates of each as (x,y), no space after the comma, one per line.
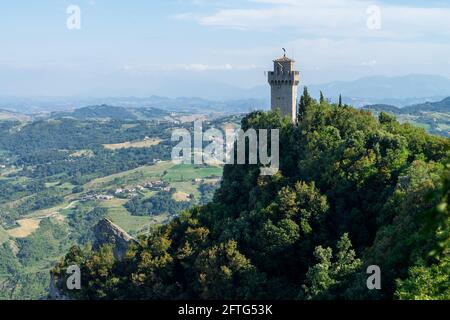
(174,48)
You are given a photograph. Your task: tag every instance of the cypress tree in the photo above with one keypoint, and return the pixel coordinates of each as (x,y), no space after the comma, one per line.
(305,101)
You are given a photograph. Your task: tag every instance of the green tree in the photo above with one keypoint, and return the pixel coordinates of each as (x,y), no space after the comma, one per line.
(305,101)
(323,278)
(385,118)
(426,283)
(319,277)
(224,273)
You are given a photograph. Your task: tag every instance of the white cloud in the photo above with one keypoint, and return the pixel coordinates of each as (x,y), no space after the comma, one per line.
(347,59)
(343,18)
(371,63)
(194,67)
(201,67)
(333,36)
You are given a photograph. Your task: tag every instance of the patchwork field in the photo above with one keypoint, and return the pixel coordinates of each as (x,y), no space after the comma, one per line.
(181,196)
(185,187)
(186,172)
(433,122)
(50,212)
(31,223)
(135,175)
(82,153)
(185,179)
(192,118)
(137,144)
(131,224)
(26,227)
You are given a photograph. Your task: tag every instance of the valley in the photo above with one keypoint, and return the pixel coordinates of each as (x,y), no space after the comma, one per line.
(59,176)
(62,173)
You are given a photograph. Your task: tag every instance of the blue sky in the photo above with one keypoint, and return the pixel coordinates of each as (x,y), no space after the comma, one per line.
(200,47)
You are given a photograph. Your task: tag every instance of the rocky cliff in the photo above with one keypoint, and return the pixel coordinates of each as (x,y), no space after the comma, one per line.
(106,232)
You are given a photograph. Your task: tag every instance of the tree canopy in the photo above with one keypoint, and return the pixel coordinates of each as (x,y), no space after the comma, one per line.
(352,191)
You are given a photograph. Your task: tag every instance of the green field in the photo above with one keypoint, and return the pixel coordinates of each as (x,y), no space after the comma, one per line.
(184,172)
(131,224)
(186,187)
(179,177)
(137,175)
(433,122)
(50,211)
(51,184)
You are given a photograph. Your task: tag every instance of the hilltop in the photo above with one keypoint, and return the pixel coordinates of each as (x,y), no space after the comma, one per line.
(433,116)
(352,191)
(440,106)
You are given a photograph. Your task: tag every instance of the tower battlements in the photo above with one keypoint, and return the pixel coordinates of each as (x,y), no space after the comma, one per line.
(285,77)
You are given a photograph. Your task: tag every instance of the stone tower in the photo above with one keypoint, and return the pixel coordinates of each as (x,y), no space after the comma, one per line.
(284,81)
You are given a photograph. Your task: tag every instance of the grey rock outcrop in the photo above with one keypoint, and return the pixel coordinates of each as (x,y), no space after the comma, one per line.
(106,232)
(54,292)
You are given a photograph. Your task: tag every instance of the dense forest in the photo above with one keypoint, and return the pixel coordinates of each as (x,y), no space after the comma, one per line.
(352,191)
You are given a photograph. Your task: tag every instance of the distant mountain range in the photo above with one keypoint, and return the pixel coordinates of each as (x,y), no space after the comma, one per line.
(10,115)
(440,106)
(146,113)
(397,91)
(111,112)
(103,112)
(98,112)
(181,104)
